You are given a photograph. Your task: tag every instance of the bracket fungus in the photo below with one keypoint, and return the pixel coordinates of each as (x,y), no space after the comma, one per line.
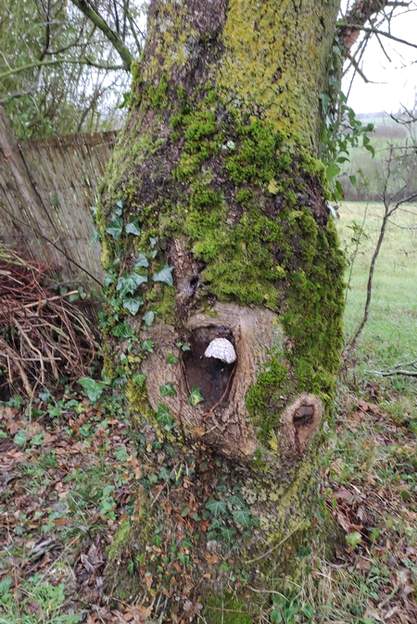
(221,349)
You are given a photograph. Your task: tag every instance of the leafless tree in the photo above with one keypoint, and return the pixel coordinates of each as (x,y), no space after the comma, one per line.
(396,193)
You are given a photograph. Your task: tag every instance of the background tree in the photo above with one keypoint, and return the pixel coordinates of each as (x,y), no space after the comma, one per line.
(59,72)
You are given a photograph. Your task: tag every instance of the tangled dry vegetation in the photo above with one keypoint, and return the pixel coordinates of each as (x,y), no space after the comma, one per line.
(43,336)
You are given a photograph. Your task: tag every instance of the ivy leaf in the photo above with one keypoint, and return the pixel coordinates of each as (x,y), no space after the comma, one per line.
(195,397)
(216,507)
(147,345)
(122,330)
(164,418)
(243,518)
(118,208)
(171,358)
(141,261)
(20,438)
(115,229)
(273,187)
(325,101)
(148,318)
(167,390)
(132,228)
(108,279)
(92,389)
(332,171)
(164,276)
(130,283)
(227,534)
(132,305)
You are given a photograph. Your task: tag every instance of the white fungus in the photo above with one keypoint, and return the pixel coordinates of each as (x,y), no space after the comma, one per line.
(221,349)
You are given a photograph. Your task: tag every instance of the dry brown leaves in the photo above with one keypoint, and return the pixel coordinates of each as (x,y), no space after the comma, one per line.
(372,508)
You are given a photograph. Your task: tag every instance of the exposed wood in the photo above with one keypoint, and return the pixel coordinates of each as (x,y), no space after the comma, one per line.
(226,425)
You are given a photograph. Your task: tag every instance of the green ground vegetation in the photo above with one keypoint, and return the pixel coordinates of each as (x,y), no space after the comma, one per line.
(70,478)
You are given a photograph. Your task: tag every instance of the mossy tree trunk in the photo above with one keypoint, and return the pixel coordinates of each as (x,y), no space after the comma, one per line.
(224,279)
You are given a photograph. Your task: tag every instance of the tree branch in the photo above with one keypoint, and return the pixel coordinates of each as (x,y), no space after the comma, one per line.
(85,61)
(361,12)
(111,35)
(382,33)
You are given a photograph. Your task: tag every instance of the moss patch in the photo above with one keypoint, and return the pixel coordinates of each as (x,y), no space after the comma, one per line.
(265,55)
(227,609)
(120,541)
(261,237)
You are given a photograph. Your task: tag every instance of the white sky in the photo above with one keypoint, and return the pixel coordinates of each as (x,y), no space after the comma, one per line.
(396,81)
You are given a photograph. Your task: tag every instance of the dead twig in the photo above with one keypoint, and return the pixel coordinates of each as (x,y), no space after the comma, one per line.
(43,336)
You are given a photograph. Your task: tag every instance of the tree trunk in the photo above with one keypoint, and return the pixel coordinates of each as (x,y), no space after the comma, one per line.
(225,299)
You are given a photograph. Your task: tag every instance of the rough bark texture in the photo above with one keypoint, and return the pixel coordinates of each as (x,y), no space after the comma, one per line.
(216,183)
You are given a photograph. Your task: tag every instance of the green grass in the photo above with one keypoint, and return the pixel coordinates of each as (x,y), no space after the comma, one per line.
(36,602)
(390,335)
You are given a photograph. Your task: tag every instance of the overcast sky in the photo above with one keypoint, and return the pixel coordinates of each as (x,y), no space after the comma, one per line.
(396,81)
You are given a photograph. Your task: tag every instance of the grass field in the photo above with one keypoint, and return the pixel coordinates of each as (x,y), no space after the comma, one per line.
(391,333)
(68,469)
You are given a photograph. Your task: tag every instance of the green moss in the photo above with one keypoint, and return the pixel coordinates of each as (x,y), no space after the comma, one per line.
(250,152)
(256,157)
(161,300)
(120,540)
(312,322)
(227,609)
(262,41)
(137,398)
(157,95)
(266,398)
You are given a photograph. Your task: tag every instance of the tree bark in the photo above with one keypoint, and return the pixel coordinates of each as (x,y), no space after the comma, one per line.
(216,185)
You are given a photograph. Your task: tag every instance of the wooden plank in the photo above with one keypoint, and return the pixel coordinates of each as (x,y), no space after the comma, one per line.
(46,190)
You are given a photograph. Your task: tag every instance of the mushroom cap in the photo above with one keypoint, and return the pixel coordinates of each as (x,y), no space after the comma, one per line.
(221,349)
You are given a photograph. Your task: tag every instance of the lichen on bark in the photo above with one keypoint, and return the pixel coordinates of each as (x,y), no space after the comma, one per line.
(216,183)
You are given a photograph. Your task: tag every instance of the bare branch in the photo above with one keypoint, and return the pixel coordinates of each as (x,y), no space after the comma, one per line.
(360,13)
(382,33)
(390,206)
(49,62)
(407,370)
(358,69)
(109,33)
